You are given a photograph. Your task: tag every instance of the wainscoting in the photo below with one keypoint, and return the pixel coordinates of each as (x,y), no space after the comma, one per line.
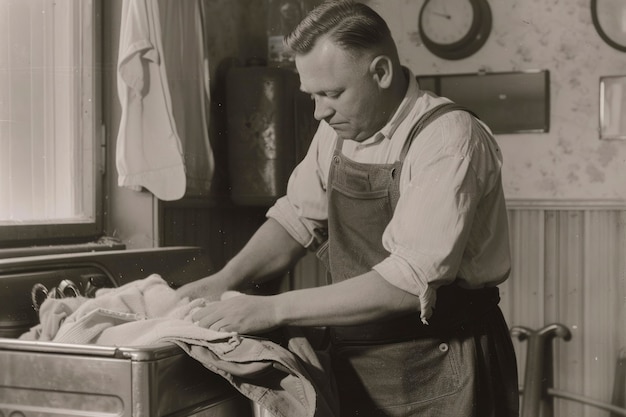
(569,267)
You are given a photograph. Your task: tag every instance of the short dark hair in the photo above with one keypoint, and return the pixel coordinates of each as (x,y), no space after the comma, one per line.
(350,25)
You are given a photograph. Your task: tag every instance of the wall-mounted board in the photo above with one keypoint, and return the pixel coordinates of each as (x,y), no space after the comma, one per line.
(508,102)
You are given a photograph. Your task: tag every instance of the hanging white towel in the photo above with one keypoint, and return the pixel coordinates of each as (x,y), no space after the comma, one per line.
(149,151)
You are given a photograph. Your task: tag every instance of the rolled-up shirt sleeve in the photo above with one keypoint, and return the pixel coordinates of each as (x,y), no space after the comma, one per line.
(303,211)
(428,235)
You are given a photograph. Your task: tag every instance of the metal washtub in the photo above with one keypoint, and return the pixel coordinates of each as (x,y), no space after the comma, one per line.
(57,379)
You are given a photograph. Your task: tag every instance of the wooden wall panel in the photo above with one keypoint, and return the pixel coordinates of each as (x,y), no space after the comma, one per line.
(223,230)
(527,270)
(569,278)
(568,267)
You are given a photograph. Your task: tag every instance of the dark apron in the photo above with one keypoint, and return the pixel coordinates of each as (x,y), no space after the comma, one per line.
(401,367)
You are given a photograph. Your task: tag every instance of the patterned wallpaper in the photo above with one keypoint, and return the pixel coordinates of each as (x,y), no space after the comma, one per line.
(570,161)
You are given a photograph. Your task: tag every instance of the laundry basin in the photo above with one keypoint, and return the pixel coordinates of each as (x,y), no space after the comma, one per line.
(58,379)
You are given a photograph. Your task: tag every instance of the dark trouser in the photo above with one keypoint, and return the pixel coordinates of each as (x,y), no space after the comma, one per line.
(468,370)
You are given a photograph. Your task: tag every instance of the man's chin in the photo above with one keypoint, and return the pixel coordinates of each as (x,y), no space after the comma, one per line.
(343,133)
(346,136)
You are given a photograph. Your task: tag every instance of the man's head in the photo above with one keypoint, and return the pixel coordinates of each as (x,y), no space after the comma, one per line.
(348,63)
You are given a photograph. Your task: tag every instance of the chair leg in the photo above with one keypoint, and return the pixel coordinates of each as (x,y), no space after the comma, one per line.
(539,373)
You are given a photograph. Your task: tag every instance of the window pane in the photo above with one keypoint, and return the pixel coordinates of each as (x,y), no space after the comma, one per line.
(47,112)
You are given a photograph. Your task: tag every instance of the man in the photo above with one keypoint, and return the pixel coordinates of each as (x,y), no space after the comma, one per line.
(404,199)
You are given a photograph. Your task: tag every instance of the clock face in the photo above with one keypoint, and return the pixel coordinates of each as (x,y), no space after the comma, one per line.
(446,22)
(454,29)
(609,18)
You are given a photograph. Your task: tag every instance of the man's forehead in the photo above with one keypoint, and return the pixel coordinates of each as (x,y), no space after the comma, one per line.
(327,67)
(320,81)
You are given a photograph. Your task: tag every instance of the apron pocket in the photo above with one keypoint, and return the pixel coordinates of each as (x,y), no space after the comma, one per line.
(362,194)
(396,375)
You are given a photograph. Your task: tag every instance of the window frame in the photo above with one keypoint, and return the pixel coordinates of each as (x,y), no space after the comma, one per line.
(90,229)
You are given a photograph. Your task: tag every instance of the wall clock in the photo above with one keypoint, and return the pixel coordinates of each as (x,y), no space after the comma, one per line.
(609,19)
(454,29)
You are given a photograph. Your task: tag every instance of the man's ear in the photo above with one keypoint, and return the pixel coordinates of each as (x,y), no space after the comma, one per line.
(382,70)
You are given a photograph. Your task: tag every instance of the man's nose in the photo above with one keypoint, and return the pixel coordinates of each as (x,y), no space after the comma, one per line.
(322,109)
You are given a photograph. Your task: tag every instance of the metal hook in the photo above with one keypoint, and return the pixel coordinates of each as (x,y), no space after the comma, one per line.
(38,294)
(68,288)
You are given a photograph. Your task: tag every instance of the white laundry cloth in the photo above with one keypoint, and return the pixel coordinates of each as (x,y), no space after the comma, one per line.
(142,312)
(285,382)
(149,151)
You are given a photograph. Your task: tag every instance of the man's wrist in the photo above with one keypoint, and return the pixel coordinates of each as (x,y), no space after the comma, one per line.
(282,311)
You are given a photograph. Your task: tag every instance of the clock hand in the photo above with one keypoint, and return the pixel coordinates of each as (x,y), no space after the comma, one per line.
(447,16)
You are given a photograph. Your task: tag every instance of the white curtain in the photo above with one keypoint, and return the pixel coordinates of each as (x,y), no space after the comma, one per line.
(46,146)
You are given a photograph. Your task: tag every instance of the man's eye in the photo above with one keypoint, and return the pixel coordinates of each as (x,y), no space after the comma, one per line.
(332,94)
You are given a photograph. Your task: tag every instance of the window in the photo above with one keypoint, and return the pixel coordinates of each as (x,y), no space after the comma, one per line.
(51,158)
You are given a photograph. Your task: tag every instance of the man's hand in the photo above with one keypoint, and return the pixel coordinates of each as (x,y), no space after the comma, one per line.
(210,288)
(244,314)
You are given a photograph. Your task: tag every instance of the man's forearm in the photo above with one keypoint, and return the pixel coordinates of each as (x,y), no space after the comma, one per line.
(269,253)
(358,300)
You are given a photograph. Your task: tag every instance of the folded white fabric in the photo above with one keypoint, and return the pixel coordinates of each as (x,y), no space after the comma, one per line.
(52,314)
(148,297)
(142,312)
(151,331)
(148,312)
